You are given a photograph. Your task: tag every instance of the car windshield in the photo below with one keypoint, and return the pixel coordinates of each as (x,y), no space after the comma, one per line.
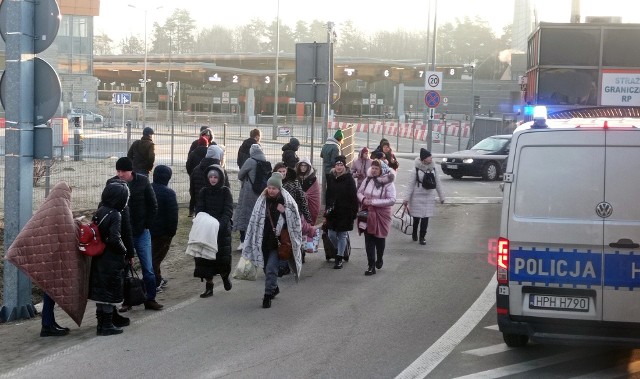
(490,144)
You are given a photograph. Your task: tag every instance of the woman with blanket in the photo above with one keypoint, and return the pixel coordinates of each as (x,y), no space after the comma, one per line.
(216,200)
(275,209)
(377,194)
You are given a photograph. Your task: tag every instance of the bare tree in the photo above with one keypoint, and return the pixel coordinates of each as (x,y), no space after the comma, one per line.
(102,44)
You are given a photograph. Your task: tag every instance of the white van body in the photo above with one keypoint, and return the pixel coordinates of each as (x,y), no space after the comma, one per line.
(569,249)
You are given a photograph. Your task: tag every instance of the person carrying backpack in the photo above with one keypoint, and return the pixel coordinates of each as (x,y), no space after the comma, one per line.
(420,194)
(254,174)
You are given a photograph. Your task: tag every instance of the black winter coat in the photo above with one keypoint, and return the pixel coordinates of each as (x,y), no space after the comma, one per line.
(342,197)
(107,270)
(217,201)
(143,205)
(244,150)
(195,157)
(142,154)
(198,178)
(167,223)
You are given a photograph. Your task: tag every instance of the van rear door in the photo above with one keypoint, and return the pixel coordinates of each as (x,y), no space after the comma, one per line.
(555,236)
(621,212)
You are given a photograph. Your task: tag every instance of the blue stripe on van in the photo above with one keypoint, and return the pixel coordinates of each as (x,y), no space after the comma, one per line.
(547,266)
(622,270)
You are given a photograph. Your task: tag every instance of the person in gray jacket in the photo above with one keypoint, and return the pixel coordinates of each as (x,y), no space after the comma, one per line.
(247,197)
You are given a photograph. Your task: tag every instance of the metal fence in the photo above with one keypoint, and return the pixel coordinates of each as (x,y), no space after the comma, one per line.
(86,166)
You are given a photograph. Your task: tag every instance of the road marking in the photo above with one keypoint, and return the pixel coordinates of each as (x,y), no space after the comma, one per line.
(527,366)
(492,327)
(489,350)
(437,352)
(614,372)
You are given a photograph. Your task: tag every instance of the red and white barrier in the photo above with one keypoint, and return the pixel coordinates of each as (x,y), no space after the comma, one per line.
(404,129)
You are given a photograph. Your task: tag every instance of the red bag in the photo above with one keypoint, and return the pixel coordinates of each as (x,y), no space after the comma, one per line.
(89,240)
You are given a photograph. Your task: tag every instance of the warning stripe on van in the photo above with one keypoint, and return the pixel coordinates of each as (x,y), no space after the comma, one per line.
(575,268)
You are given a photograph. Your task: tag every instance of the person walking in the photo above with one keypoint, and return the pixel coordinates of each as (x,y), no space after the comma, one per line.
(289,156)
(330,150)
(107,270)
(360,166)
(421,202)
(142,153)
(377,194)
(193,160)
(164,228)
(306,176)
(142,209)
(244,152)
(198,177)
(275,209)
(341,206)
(205,132)
(216,200)
(247,197)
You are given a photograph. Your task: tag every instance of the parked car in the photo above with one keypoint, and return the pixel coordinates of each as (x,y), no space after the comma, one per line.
(479,161)
(86,114)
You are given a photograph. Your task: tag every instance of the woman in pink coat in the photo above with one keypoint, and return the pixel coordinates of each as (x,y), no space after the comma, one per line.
(360,166)
(377,194)
(306,175)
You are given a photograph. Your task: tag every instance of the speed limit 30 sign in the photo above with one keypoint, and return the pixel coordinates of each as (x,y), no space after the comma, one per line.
(433,81)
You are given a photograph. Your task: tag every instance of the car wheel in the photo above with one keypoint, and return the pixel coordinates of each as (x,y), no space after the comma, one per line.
(490,171)
(515,340)
(456,176)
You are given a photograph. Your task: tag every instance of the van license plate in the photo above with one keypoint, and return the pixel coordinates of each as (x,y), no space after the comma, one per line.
(559,303)
(452,166)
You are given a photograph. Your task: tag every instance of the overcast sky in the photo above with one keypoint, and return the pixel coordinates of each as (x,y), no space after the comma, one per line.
(119,20)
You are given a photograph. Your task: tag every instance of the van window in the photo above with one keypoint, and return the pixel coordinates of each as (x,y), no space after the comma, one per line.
(550,190)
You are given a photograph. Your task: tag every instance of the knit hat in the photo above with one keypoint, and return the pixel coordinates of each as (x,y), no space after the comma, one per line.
(203,128)
(340,158)
(424,153)
(338,135)
(213,172)
(147,131)
(275,180)
(124,164)
(215,152)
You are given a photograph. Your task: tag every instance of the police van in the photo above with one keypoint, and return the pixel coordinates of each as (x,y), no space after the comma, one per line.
(568,262)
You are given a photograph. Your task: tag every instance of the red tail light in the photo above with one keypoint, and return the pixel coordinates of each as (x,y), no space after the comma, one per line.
(503,261)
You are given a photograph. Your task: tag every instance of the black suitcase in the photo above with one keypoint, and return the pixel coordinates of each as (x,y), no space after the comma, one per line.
(330,251)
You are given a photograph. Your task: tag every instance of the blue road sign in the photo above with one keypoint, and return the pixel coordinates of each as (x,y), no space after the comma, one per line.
(432,99)
(122,98)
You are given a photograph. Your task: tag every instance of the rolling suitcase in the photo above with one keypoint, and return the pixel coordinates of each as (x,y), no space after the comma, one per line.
(330,251)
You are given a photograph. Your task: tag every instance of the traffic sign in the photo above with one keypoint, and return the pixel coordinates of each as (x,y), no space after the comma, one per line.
(121,98)
(433,81)
(432,99)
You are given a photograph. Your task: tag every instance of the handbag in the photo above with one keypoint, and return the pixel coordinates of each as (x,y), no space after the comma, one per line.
(90,242)
(245,270)
(135,292)
(285,249)
(362,215)
(402,220)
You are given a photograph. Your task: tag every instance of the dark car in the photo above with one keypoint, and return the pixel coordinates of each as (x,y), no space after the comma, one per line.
(479,161)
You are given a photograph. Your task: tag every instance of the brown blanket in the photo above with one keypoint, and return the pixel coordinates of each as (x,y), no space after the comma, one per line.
(46,250)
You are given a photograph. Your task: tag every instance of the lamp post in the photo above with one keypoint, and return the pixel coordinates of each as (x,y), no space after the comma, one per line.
(275,95)
(144,78)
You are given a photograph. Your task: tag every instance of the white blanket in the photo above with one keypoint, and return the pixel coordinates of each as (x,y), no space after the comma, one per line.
(203,237)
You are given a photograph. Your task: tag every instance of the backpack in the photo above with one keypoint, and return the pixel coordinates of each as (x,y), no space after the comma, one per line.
(428,180)
(90,242)
(263,171)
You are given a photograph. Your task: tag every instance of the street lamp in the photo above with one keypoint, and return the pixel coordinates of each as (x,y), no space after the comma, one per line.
(144,79)
(275,96)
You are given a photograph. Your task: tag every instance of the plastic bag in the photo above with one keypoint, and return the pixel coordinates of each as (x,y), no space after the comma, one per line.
(245,270)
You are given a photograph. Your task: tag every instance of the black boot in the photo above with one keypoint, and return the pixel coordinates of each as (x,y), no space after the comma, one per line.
(275,292)
(118,320)
(379,261)
(226,283)
(99,318)
(208,290)
(266,301)
(370,271)
(414,235)
(52,331)
(107,325)
(338,264)
(423,240)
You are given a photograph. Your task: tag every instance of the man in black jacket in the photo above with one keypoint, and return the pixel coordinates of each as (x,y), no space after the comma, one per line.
(142,153)
(163,228)
(143,208)
(243,152)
